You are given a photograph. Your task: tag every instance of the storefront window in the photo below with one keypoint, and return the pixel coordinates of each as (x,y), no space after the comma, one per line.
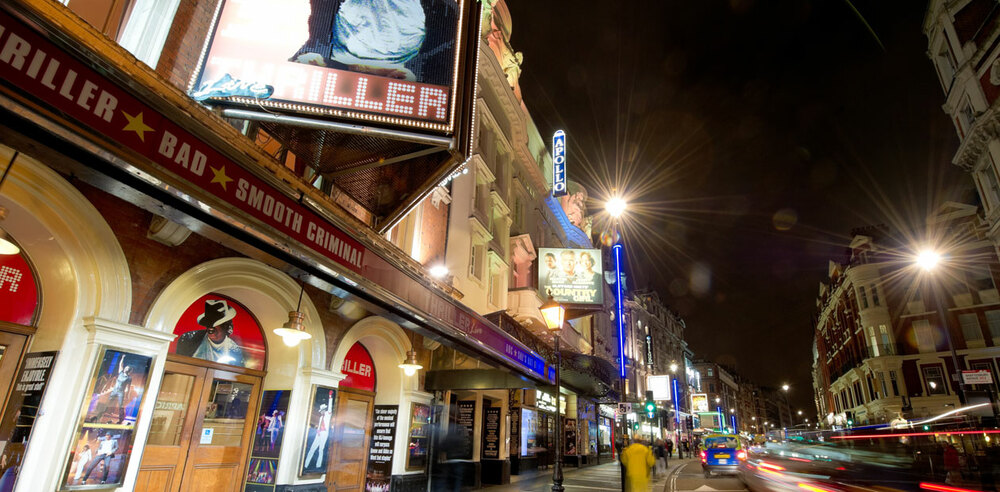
(417,450)
(225,413)
(529,432)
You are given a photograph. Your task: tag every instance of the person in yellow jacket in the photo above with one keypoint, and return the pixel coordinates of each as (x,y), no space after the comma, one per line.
(638,460)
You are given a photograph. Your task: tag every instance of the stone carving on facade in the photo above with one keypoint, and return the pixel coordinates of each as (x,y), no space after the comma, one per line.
(976,143)
(574,204)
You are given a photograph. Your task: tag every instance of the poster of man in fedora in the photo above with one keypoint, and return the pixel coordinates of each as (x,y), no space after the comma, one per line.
(219,329)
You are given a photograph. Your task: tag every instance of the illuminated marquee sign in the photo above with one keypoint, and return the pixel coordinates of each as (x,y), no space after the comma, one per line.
(559,163)
(354,59)
(699,403)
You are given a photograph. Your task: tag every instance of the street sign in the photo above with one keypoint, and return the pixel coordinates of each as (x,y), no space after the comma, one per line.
(981,376)
(624,408)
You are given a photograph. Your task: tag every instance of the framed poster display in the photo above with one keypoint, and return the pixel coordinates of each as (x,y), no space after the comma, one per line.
(103,442)
(22,407)
(269,434)
(416,454)
(316,451)
(379,473)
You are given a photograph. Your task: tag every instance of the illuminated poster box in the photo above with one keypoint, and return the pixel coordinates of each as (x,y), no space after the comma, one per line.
(392,62)
(571,276)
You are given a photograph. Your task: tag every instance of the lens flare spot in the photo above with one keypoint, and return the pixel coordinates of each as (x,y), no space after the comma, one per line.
(700,280)
(785,219)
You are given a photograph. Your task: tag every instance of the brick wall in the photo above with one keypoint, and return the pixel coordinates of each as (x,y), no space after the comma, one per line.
(186,40)
(153,266)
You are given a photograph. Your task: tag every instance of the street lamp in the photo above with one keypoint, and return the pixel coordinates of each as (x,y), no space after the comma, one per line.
(554,315)
(673,367)
(616,206)
(929,260)
(785,387)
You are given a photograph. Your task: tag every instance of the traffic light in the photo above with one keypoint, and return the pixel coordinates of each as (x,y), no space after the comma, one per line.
(650,405)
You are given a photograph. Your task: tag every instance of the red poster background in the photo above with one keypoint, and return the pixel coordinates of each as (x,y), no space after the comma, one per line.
(18,290)
(246,330)
(358,358)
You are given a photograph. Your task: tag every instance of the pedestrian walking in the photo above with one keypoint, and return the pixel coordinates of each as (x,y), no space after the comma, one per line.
(638,462)
(670,448)
(660,453)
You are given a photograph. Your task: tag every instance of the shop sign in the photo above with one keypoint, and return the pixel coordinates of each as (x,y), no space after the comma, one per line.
(18,290)
(22,408)
(660,386)
(491,433)
(219,329)
(465,425)
(106,431)
(359,368)
(56,78)
(545,402)
(559,163)
(379,474)
(981,376)
(263,467)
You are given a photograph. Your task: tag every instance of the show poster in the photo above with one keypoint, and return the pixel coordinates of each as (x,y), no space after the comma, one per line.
(318,433)
(344,57)
(569,436)
(571,276)
(491,433)
(103,443)
(267,439)
(22,407)
(378,476)
(699,403)
(219,329)
(466,427)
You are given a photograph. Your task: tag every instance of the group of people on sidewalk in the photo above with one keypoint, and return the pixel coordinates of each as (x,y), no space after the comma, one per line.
(640,462)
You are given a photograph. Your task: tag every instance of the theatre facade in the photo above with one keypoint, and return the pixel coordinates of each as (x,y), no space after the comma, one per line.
(156,243)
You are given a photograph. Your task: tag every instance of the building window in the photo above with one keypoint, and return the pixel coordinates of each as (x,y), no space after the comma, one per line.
(711,373)
(989,187)
(875,299)
(934,380)
(980,279)
(945,62)
(993,322)
(496,289)
(924,336)
(971,330)
(711,387)
(881,380)
(885,339)
(892,379)
(476,257)
(863,297)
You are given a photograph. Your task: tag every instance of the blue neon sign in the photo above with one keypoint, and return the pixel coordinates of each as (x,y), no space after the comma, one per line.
(559,163)
(618,288)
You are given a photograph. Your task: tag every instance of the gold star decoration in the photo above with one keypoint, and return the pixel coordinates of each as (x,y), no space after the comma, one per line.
(135,124)
(220,176)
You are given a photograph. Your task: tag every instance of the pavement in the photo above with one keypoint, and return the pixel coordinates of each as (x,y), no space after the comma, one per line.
(606,476)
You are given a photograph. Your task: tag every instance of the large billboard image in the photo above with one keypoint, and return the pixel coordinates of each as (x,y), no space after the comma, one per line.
(388,61)
(571,276)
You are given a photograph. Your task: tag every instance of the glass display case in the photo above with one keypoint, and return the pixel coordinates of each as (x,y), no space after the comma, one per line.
(420,418)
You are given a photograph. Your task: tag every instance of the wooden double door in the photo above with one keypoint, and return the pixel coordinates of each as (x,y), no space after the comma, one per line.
(201,430)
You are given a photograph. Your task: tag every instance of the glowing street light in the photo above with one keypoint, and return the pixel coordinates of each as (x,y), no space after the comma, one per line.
(928,259)
(785,387)
(616,206)
(673,367)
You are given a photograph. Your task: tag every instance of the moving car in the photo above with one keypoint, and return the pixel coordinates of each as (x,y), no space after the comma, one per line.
(722,454)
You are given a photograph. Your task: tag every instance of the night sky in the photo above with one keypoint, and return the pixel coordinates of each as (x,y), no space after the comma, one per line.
(751,137)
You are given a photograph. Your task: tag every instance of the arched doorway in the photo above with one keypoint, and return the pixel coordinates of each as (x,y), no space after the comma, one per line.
(352,431)
(203,419)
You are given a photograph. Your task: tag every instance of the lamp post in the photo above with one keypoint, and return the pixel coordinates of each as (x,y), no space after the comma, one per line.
(554,315)
(929,260)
